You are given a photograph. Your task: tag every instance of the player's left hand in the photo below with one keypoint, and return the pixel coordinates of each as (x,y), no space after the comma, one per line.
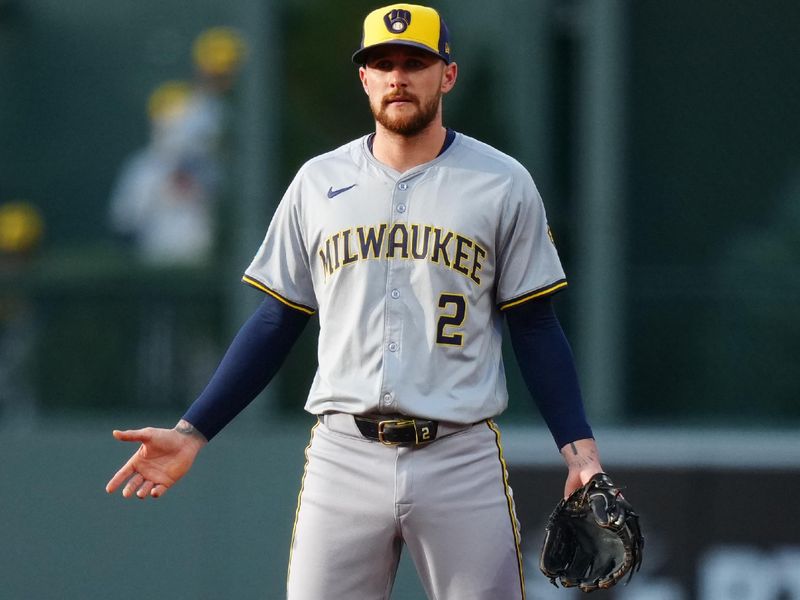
(592,539)
(582,461)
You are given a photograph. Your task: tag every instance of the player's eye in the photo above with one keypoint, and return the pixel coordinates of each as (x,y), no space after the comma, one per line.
(382,65)
(414,64)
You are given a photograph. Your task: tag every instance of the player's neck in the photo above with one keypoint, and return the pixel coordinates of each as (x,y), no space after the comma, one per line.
(402,153)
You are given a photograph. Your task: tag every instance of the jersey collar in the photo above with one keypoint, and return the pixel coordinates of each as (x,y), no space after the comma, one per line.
(448,139)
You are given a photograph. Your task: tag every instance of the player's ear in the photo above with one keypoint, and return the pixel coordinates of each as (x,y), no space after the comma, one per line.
(449,76)
(362,74)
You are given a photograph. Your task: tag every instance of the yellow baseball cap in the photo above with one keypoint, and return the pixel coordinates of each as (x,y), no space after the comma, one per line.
(405,24)
(219,50)
(21,227)
(168,100)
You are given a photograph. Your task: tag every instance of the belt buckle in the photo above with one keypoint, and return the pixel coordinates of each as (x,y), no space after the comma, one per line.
(397,423)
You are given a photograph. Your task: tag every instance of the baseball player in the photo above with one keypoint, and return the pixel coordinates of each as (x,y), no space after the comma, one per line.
(412,244)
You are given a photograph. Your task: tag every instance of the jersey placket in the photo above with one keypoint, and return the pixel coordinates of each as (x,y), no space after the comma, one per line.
(397,285)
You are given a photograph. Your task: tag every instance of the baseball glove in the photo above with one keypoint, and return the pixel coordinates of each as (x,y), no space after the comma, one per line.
(592,538)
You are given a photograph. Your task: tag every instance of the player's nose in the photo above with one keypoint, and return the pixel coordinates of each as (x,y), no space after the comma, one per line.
(398,77)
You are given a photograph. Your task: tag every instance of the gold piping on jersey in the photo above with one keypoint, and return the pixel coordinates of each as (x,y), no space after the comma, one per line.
(299,499)
(510,500)
(260,286)
(402,241)
(551,289)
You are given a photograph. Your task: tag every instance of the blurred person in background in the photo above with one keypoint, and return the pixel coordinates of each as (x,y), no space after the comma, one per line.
(21,231)
(217,54)
(166,194)
(159,201)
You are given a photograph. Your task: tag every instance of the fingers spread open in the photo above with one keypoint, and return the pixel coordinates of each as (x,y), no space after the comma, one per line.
(145,490)
(133,484)
(120,476)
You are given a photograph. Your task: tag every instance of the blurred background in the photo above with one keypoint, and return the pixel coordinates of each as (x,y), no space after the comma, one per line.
(144,148)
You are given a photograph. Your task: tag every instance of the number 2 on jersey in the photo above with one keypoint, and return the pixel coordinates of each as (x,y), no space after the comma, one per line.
(454,312)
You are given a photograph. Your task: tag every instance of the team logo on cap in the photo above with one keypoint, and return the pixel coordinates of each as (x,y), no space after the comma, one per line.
(397,20)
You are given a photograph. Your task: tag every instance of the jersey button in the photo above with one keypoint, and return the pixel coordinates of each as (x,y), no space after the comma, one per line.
(395,294)
(402,187)
(387,398)
(401,208)
(393,346)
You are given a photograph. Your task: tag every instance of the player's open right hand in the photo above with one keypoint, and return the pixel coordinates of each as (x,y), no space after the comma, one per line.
(165,455)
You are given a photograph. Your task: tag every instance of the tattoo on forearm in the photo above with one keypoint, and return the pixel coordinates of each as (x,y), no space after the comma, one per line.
(578,460)
(188,429)
(185,428)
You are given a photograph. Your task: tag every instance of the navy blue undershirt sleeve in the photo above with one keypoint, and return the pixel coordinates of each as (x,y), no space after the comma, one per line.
(253,358)
(548,368)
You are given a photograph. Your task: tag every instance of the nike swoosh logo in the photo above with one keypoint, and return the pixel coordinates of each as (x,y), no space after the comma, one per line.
(332,193)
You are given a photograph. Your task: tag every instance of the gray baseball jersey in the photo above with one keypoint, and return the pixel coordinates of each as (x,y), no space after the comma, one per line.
(445,246)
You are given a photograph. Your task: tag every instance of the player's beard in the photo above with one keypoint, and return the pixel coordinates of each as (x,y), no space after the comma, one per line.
(407,125)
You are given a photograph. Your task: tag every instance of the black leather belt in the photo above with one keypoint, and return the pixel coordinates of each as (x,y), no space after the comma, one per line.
(404,431)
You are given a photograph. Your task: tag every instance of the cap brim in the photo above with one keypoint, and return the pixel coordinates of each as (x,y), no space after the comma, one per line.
(360,56)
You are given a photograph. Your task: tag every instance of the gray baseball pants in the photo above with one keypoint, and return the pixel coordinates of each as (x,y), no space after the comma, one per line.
(362,501)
